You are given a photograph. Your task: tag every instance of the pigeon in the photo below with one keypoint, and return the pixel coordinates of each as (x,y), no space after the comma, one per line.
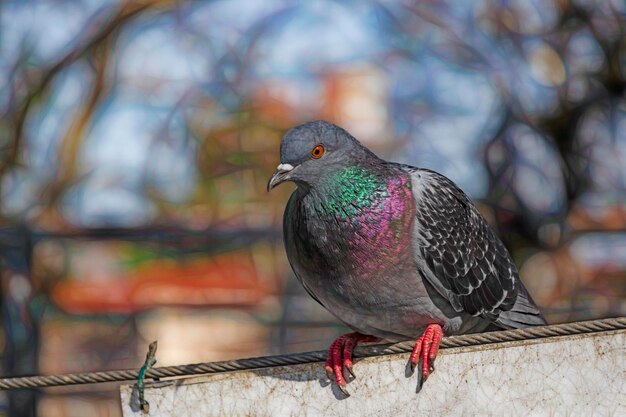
(393,251)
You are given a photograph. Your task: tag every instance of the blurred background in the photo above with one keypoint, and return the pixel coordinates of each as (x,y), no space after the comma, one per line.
(137,137)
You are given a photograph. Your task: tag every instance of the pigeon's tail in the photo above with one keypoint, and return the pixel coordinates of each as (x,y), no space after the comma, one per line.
(523,314)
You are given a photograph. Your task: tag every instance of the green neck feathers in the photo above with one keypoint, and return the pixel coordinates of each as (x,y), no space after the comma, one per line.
(350,190)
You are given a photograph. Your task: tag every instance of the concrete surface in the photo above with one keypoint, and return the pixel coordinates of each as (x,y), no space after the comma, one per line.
(567,376)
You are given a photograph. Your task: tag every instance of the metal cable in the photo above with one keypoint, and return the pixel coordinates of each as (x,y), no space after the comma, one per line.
(475,339)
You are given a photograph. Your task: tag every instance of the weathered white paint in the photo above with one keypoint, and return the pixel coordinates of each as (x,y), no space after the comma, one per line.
(567,376)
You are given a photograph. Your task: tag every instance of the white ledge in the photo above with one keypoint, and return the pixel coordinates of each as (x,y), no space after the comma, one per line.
(581,375)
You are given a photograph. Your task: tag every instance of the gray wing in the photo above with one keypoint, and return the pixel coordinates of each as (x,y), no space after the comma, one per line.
(458,251)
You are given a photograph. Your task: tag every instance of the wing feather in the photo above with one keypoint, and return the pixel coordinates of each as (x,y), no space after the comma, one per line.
(467,262)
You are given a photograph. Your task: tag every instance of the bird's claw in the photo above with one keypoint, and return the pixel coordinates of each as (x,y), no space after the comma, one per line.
(342,388)
(340,357)
(350,371)
(341,385)
(329,373)
(425,351)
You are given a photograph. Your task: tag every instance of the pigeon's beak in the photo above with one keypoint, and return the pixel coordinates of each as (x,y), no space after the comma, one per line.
(281,175)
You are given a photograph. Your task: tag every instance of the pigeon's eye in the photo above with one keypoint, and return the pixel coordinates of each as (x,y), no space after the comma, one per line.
(318,151)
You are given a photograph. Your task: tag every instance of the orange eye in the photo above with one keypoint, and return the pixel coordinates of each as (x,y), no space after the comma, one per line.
(318,151)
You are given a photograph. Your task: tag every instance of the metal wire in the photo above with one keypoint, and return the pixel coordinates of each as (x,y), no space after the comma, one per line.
(540,332)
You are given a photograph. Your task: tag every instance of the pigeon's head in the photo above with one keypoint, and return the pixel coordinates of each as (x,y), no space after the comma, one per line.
(312,150)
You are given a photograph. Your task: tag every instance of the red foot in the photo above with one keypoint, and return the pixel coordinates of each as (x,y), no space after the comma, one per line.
(340,356)
(426,349)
